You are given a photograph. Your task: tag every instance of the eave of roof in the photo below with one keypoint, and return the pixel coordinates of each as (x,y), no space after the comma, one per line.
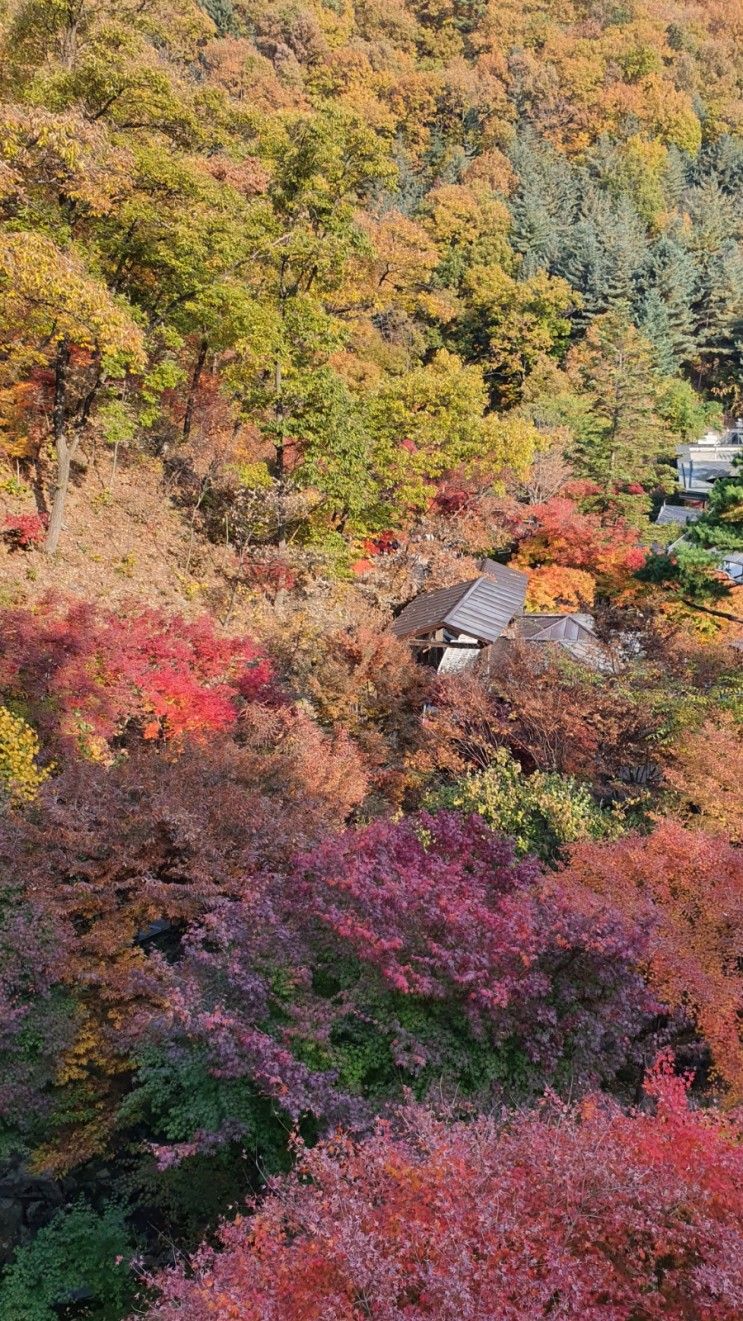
(430,610)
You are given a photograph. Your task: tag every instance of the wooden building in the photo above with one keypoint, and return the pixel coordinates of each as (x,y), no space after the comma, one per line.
(449,627)
(482,618)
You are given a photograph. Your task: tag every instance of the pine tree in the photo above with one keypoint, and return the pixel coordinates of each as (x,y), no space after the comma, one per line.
(721,161)
(583,263)
(669,278)
(721,524)
(621,441)
(655,324)
(544,206)
(718,306)
(603,254)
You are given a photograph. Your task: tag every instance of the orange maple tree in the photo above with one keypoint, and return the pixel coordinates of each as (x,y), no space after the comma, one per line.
(707,772)
(689,886)
(553,587)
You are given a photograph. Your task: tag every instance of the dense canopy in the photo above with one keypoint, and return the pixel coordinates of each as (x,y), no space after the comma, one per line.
(335,982)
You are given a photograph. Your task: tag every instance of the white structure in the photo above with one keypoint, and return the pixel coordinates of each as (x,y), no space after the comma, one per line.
(732,564)
(699,465)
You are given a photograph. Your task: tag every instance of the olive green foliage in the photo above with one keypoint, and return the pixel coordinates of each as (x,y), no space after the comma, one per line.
(405,1043)
(542,812)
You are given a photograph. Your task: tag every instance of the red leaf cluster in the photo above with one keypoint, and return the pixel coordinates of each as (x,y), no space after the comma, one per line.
(25,531)
(83,671)
(439,907)
(557,532)
(587,1214)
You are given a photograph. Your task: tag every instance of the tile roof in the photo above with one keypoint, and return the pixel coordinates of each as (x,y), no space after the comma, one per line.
(682,514)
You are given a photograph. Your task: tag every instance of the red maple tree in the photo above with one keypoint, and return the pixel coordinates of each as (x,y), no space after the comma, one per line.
(588,1214)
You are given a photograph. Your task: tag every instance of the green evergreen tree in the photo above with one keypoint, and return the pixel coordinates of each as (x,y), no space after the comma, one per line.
(625,241)
(603,254)
(655,324)
(721,161)
(222,14)
(721,524)
(666,316)
(544,206)
(716,243)
(622,440)
(583,263)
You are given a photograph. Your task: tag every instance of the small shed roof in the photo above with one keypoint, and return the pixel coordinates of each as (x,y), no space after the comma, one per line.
(555,628)
(575,633)
(481,607)
(681,514)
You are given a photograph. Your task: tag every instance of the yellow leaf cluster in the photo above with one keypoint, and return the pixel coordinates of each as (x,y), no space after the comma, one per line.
(46,295)
(20,777)
(553,587)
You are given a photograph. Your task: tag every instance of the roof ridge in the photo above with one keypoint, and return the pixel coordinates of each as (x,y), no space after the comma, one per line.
(466,594)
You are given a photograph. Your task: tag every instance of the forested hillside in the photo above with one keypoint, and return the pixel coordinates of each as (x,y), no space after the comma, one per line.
(333,985)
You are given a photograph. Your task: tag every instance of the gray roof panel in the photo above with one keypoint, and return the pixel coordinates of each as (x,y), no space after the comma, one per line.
(490,605)
(481,607)
(428,612)
(681,514)
(555,628)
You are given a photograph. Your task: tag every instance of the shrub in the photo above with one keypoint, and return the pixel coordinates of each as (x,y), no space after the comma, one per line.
(575,1213)
(88,674)
(687,887)
(541,812)
(80,1258)
(20,777)
(25,531)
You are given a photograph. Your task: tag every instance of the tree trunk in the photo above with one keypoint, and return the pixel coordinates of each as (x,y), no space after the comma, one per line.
(710,610)
(280,449)
(60,496)
(195,379)
(62,446)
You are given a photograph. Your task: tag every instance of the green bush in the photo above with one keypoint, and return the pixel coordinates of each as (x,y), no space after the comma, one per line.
(81,1258)
(541,812)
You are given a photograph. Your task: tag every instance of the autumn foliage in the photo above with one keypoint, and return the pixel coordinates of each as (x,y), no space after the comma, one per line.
(308,308)
(90,675)
(558,533)
(591,1212)
(551,714)
(438,907)
(552,587)
(688,887)
(706,772)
